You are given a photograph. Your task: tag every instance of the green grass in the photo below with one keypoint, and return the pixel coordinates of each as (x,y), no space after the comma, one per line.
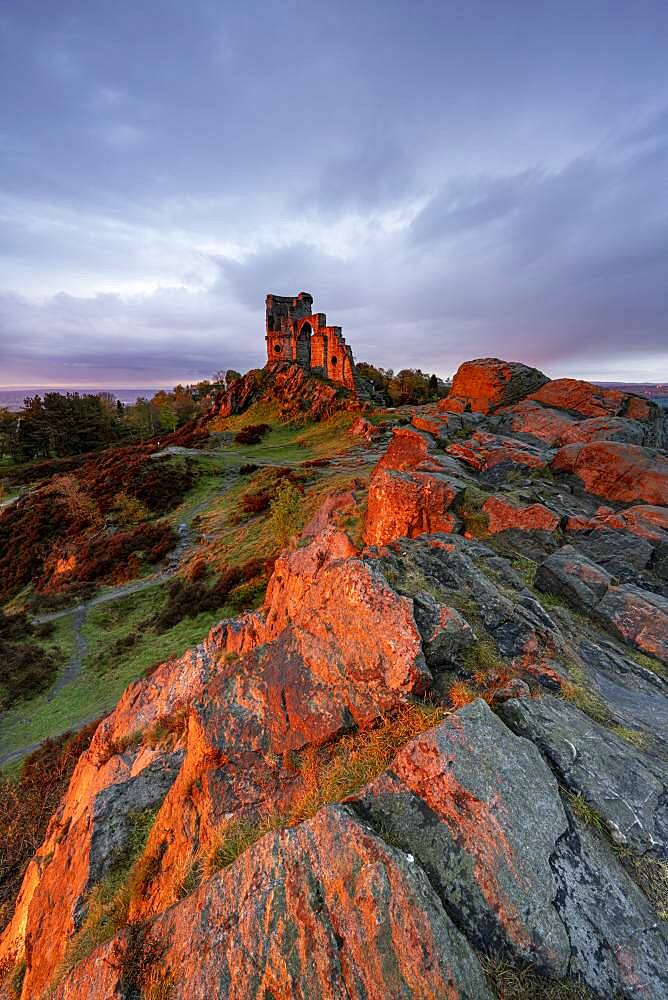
(632,736)
(526,568)
(106,671)
(481,656)
(471,512)
(648,661)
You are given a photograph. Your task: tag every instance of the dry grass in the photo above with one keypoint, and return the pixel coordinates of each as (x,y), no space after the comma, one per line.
(585,812)
(511,983)
(328,774)
(650,874)
(460,694)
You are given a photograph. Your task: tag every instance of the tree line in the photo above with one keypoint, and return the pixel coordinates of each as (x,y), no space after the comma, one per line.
(410,386)
(58,425)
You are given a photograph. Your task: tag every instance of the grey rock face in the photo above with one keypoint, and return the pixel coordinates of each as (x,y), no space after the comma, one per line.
(618,552)
(569,574)
(618,946)
(480,811)
(634,695)
(115,804)
(625,786)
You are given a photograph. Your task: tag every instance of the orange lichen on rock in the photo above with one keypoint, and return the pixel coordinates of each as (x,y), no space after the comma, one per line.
(502,515)
(488,383)
(617,471)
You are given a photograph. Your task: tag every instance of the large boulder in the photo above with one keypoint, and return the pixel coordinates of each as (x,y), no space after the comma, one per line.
(325,911)
(488,383)
(616,471)
(413,489)
(480,811)
(334,647)
(643,520)
(403,504)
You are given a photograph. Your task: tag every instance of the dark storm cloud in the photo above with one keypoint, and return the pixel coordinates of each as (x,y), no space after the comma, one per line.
(448,180)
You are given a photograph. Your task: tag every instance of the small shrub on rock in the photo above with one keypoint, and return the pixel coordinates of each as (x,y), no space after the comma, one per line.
(286,517)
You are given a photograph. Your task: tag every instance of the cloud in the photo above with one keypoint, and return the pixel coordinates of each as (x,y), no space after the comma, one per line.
(440,183)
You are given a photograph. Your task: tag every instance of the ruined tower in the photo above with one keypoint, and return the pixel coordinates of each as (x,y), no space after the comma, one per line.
(298,335)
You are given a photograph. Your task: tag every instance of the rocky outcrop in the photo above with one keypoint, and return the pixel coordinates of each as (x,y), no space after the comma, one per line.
(588,400)
(306,836)
(296,393)
(488,383)
(327,910)
(556,427)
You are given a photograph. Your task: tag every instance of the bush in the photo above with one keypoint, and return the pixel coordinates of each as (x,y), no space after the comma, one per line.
(111,557)
(255,503)
(248,469)
(252,434)
(25,667)
(286,517)
(189,598)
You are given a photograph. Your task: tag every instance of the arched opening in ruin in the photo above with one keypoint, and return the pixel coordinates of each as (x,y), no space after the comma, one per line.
(304,346)
(278,348)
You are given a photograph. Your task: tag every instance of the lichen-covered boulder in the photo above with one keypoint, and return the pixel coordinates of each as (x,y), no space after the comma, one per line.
(503,515)
(615,471)
(325,911)
(488,383)
(625,786)
(480,811)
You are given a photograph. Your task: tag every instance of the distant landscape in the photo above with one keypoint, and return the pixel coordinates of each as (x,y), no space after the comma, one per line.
(12,399)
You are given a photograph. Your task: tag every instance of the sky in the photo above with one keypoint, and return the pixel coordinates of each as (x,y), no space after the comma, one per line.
(449,180)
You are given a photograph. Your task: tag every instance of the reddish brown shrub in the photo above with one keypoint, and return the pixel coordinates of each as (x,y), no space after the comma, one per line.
(252,434)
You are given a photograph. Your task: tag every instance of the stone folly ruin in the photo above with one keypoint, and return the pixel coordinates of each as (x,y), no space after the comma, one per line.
(302,337)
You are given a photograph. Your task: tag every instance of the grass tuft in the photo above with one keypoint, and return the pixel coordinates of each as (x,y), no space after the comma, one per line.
(585,812)
(513,983)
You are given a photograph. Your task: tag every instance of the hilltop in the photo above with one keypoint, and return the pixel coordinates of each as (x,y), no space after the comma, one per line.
(419,748)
